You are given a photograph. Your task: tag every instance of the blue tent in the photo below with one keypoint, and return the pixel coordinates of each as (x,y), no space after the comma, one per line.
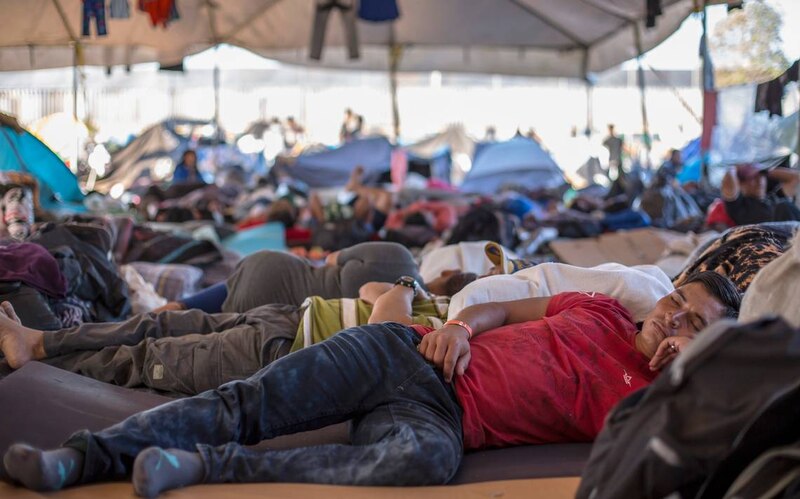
(692,162)
(519,161)
(22,152)
(440,163)
(331,168)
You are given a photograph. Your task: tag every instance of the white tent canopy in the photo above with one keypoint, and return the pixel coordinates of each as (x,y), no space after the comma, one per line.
(566,38)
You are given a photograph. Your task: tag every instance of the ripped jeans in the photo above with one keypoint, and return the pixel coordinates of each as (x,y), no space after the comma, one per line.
(406,421)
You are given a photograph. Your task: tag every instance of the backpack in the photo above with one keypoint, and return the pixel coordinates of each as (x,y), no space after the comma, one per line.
(681,433)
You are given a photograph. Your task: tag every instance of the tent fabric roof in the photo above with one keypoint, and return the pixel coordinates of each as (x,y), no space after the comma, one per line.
(567,38)
(519,161)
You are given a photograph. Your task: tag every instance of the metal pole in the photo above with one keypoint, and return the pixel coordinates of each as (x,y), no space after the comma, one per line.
(75,82)
(216,86)
(395,53)
(705,86)
(589,108)
(640,77)
(73,165)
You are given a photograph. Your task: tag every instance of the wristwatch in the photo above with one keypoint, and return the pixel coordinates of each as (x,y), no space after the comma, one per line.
(408,282)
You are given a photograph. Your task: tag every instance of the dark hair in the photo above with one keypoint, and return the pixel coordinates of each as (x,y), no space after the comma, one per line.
(283,213)
(721,288)
(417,218)
(286,217)
(458,281)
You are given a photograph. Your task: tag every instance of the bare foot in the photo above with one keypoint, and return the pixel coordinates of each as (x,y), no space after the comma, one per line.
(18,343)
(8,310)
(355,178)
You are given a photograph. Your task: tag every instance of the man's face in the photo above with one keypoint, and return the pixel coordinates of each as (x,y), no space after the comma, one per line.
(684,312)
(438,285)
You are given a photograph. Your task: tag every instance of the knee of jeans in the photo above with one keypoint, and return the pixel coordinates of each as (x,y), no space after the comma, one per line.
(441,459)
(427,458)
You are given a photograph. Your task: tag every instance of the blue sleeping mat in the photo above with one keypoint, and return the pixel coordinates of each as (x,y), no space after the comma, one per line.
(270,236)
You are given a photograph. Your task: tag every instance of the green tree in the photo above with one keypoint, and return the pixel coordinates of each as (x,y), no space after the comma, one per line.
(746,45)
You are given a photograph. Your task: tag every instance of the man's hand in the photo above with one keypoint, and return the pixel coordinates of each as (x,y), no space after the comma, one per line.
(667,351)
(448,349)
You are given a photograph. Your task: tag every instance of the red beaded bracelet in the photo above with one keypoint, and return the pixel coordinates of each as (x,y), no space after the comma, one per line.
(456,322)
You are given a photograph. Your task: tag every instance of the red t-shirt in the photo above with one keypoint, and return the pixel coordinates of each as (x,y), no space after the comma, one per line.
(552,380)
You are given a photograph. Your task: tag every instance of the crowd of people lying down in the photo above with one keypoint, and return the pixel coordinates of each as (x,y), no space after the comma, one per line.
(285,346)
(526,351)
(331,219)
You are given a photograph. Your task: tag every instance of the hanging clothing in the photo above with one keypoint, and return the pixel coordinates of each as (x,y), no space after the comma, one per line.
(173,12)
(119,9)
(96,9)
(158,10)
(378,10)
(769,95)
(321,13)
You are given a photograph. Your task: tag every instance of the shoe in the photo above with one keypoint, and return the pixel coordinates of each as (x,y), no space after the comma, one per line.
(497,255)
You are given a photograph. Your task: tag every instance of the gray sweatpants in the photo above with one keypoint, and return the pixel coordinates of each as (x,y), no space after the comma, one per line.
(185,352)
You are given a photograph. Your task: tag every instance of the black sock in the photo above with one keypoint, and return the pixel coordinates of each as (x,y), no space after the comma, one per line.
(156,470)
(43,470)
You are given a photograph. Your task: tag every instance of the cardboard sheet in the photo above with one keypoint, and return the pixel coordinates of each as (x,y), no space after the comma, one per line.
(540,488)
(633,247)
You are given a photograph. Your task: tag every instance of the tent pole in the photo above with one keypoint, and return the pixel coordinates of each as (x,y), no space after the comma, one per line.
(77,59)
(75,82)
(589,109)
(640,80)
(216,85)
(73,164)
(589,80)
(395,54)
(212,28)
(706,85)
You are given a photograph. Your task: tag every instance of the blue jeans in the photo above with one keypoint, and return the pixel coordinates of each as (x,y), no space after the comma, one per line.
(406,421)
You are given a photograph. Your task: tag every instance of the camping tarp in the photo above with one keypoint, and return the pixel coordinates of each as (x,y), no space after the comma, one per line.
(25,153)
(442,149)
(519,161)
(129,163)
(332,167)
(162,146)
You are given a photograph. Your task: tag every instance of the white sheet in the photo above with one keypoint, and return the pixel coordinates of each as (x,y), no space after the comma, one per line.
(468,256)
(637,288)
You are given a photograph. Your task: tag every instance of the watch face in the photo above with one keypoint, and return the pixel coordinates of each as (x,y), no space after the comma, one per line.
(407,281)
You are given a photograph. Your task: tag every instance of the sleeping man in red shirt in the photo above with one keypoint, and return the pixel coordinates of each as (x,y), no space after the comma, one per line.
(529,371)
